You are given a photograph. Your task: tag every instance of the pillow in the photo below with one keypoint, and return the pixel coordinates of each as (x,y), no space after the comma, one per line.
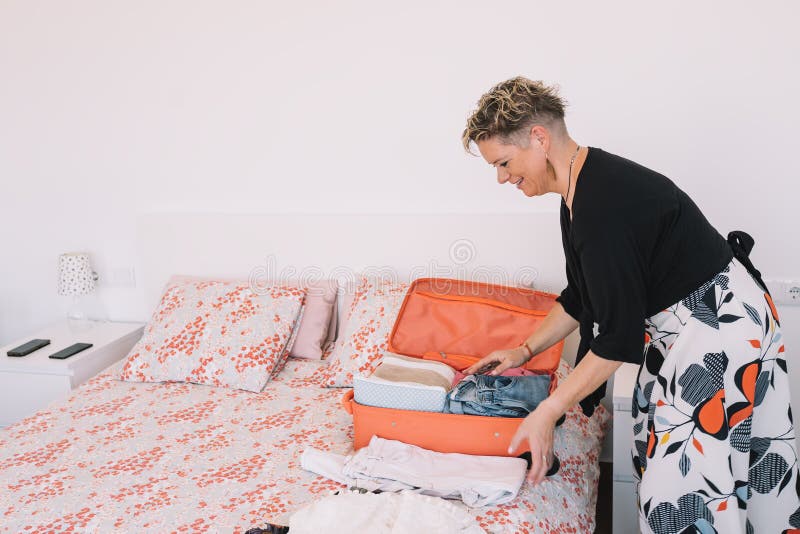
(216,333)
(364,336)
(344,312)
(316,327)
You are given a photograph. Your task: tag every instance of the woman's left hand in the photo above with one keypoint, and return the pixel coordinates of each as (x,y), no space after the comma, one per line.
(537,429)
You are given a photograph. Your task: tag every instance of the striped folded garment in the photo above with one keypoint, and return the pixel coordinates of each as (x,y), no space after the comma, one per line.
(405,383)
(399,369)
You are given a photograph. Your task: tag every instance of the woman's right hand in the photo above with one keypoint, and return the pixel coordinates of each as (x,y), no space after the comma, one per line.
(501,359)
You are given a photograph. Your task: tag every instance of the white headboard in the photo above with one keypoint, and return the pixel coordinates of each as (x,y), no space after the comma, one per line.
(517,248)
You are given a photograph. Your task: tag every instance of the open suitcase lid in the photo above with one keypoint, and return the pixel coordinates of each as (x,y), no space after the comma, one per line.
(461,321)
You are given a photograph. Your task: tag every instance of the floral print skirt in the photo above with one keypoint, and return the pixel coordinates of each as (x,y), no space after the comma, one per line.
(714,447)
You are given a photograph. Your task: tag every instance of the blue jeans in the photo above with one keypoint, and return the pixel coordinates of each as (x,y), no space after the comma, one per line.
(499,396)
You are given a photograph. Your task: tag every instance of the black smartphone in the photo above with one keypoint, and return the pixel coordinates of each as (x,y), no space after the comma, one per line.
(69,351)
(27,348)
(488,367)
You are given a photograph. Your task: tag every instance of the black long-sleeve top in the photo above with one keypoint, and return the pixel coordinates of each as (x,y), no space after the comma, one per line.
(636,244)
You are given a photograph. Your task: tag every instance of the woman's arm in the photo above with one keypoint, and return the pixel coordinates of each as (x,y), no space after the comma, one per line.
(537,428)
(557,325)
(583,380)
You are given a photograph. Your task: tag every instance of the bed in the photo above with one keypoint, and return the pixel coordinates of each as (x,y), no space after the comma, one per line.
(176,457)
(120,456)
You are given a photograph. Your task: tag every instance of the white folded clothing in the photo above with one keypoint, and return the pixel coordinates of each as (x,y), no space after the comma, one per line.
(405,383)
(331,465)
(385,513)
(476,480)
(405,369)
(371,391)
(377,380)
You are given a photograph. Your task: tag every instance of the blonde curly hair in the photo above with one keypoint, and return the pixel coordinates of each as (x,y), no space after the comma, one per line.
(511,108)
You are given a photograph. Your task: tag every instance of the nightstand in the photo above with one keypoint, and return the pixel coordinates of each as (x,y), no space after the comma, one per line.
(626,514)
(31,382)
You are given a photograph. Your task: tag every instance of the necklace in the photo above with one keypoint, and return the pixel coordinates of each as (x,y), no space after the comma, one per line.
(569,179)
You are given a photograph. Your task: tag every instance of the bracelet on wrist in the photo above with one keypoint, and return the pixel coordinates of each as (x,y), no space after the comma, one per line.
(527,349)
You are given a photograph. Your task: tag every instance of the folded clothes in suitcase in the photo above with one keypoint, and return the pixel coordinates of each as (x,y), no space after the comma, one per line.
(457,322)
(406,384)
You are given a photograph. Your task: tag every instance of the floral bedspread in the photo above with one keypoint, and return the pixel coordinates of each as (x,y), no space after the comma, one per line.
(174,457)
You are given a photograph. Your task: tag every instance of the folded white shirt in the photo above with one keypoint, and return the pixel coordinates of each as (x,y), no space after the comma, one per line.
(385,513)
(331,465)
(476,480)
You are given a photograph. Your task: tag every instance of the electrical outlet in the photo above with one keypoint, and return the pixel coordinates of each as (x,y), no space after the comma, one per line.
(794,294)
(786,292)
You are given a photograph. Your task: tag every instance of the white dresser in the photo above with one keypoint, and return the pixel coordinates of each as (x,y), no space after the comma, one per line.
(626,516)
(31,382)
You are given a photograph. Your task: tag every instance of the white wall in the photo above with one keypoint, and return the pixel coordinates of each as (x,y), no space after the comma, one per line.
(112,109)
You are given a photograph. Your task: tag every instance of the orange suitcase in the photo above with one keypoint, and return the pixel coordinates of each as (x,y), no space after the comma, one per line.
(457,322)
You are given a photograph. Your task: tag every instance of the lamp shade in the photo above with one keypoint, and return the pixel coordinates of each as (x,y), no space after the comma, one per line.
(75,275)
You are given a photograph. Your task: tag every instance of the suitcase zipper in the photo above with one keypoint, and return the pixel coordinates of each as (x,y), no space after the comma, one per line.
(481,300)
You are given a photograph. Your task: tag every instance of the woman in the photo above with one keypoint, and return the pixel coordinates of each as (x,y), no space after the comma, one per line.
(714,442)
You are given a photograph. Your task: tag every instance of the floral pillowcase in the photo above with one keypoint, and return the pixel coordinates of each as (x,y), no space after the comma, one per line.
(365,330)
(216,333)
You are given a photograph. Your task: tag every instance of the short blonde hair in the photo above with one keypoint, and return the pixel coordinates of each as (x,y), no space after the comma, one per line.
(512,107)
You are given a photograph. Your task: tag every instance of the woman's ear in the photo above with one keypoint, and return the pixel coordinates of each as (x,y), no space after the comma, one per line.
(540,136)
(534,138)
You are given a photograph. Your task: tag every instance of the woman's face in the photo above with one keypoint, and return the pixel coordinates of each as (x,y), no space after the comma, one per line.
(524,168)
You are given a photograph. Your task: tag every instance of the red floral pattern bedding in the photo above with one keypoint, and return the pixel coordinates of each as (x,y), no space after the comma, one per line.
(175,457)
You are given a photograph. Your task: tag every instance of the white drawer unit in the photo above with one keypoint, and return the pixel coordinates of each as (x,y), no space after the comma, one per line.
(31,382)
(625,515)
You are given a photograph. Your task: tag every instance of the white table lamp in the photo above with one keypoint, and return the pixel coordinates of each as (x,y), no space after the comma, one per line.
(75,279)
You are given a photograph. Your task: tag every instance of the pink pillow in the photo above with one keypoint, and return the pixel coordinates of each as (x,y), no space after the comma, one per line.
(216,333)
(344,313)
(364,334)
(317,325)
